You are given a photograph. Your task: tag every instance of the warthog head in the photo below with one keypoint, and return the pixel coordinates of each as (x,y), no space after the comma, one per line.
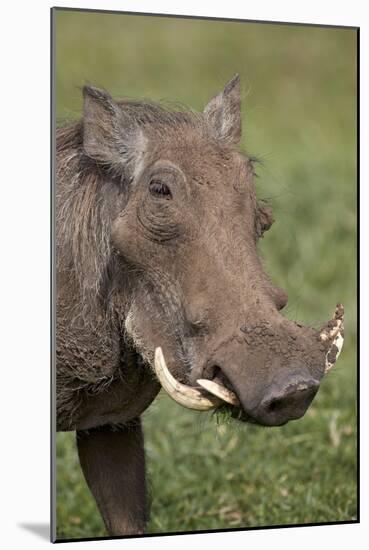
(185,226)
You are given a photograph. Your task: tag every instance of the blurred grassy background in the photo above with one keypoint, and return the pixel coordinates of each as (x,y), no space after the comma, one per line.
(299,117)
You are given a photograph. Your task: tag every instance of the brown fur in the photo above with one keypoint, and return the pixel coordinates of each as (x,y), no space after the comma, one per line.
(157,230)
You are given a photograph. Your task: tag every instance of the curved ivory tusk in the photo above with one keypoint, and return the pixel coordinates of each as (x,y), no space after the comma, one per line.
(182,394)
(334,352)
(220,391)
(334,326)
(334,332)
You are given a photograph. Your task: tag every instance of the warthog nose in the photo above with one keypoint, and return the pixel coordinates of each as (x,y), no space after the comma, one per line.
(280,406)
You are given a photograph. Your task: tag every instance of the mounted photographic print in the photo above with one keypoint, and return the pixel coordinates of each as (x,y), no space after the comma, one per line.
(204,232)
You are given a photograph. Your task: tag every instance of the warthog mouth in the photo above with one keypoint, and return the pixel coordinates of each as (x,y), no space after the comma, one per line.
(212,394)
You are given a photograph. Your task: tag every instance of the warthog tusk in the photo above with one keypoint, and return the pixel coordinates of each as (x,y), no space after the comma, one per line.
(334,332)
(186,396)
(334,352)
(220,391)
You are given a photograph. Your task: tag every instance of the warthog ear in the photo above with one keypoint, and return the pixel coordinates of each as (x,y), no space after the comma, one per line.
(223,112)
(100,125)
(110,134)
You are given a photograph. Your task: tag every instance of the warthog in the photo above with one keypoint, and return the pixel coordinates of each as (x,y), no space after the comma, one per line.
(160,285)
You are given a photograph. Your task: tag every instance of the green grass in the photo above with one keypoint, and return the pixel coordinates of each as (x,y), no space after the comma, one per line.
(299,118)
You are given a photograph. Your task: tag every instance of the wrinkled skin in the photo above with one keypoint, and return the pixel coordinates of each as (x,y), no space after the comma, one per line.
(213,290)
(214,310)
(158,224)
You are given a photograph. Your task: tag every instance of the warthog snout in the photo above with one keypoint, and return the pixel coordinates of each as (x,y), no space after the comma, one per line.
(288,402)
(284,399)
(267,381)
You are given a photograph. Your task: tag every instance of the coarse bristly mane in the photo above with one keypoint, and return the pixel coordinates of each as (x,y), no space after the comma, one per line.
(83,221)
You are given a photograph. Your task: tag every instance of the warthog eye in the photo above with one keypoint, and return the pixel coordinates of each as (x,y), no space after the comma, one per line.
(160,189)
(264,218)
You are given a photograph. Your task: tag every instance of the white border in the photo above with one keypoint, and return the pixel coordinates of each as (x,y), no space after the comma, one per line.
(24,230)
